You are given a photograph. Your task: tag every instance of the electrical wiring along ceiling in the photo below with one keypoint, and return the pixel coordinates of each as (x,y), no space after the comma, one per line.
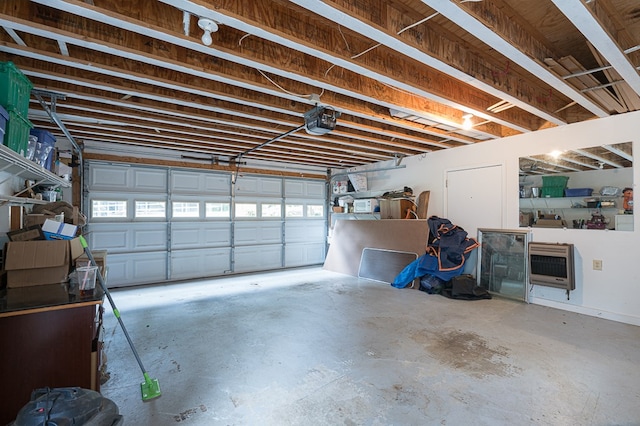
(225,80)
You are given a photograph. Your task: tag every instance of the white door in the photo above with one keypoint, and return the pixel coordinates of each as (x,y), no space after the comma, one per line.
(474,198)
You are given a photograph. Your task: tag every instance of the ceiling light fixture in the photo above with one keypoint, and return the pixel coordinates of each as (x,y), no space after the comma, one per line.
(467,124)
(208,26)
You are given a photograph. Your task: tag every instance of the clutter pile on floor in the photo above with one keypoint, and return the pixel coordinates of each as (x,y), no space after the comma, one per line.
(440,269)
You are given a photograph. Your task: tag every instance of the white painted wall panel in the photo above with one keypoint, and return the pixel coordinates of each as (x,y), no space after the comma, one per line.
(257,258)
(200,263)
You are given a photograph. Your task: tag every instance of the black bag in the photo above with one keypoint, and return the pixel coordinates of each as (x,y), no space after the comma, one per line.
(464,287)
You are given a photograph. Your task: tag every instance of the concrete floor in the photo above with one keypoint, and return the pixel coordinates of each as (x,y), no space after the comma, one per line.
(312,347)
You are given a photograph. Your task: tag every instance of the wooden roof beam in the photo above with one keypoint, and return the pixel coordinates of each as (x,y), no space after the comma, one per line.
(584,20)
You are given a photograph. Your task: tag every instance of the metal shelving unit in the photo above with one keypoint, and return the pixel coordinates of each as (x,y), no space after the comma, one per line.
(15,165)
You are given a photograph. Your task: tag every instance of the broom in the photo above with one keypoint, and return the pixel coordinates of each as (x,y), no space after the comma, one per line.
(150,388)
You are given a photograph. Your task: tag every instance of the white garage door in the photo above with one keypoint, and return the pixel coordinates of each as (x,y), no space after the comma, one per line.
(162,224)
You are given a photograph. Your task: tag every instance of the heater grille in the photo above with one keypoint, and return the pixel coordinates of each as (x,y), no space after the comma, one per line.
(551,265)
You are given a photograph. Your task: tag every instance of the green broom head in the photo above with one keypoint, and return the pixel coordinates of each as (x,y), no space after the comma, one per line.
(150,388)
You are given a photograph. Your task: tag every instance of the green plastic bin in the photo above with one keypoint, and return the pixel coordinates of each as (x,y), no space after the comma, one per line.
(552,191)
(555,181)
(15,88)
(16,136)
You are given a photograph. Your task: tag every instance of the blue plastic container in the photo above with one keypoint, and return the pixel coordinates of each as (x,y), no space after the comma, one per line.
(46,143)
(4,117)
(578,192)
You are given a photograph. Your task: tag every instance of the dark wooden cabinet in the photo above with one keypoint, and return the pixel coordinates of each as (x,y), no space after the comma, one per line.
(48,346)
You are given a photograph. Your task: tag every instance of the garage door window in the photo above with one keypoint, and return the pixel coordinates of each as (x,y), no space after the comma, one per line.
(217,210)
(246,210)
(150,209)
(315,210)
(271,210)
(108,208)
(294,210)
(185,209)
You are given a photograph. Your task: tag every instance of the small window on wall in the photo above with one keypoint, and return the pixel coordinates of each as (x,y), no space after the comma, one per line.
(294,210)
(151,209)
(186,209)
(108,208)
(246,210)
(271,210)
(217,210)
(315,210)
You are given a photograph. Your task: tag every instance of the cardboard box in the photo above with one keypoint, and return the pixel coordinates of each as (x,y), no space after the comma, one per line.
(36,219)
(26,234)
(58,230)
(100,256)
(31,263)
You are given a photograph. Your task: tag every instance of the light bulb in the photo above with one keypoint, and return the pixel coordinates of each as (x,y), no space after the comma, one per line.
(466,123)
(206,38)
(208,26)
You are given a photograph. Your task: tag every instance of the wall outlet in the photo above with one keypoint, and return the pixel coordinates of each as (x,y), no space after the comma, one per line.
(597,265)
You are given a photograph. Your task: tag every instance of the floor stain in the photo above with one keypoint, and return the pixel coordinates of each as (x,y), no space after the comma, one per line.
(174,362)
(469,352)
(190,412)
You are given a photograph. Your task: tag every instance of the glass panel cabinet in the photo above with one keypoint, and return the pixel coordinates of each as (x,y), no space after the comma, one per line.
(502,262)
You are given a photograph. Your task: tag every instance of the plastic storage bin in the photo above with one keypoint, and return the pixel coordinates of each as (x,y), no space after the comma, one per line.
(578,192)
(44,146)
(552,191)
(4,117)
(15,88)
(560,181)
(16,136)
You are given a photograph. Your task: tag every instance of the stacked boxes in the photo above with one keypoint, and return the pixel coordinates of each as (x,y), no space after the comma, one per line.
(553,186)
(15,91)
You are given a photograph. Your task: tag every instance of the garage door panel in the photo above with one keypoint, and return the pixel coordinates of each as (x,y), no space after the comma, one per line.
(135,268)
(150,239)
(194,235)
(304,188)
(149,267)
(246,233)
(303,231)
(303,254)
(256,258)
(149,180)
(200,263)
(109,177)
(112,240)
(121,237)
(259,186)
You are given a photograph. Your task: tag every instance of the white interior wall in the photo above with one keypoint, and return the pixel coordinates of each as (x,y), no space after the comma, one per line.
(613,292)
